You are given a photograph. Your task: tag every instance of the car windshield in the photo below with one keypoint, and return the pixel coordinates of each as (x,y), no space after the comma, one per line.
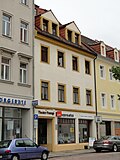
(5,144)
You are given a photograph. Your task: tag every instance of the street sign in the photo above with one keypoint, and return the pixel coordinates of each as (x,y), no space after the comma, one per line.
(34,103)
(35,116)
(98,119)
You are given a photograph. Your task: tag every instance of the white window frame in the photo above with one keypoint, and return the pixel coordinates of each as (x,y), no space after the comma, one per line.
(23,70)
(7,25)
(25,2)
(24,32)
(103,100)
(102,70)
(112,101)
(111,75)
(5,65)
(116,55)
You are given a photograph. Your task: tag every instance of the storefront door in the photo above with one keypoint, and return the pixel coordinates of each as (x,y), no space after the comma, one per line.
(42,131)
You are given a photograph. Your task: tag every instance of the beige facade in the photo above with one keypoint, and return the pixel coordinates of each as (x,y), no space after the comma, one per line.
(16,52)
(63,124)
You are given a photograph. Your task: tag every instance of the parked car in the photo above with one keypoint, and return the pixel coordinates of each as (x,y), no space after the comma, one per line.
(22,148)
(111,143)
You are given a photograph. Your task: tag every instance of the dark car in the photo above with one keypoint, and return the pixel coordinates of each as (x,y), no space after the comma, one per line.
(111,143)
(22,148)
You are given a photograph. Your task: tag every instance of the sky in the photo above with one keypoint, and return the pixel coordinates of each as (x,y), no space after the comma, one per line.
(96,19)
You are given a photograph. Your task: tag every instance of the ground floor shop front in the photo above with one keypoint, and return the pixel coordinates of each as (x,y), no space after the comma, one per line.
(15,118)
(64,130)
(110,125)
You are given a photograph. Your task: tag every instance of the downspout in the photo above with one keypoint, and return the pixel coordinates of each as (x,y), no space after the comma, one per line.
(33,26)
(96,108)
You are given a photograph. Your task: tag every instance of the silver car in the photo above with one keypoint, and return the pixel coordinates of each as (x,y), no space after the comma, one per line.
(111,143)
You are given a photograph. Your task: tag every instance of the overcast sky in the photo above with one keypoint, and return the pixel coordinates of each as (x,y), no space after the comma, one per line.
(96,19)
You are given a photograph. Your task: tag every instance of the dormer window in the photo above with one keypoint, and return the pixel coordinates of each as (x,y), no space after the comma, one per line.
(103,51)
(54,29)
(69,33)
(116,56)
(45,25)
(76,38)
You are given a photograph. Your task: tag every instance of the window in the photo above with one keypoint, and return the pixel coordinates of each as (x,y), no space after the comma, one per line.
(69,35)
(23,73)
(103,50)
(44,90)
(83,131)
(44,54)
(24,2)
(75,63)
(24,32)
(112,100)
(61,93)
(66,131)
(102,71)
(75,95)
(76,38)
(5,68)
(103,99)
(110,74)
(60,59)
(6,25)
(54,29)
(116,55)
(88,97)
(87,67)
(45,25)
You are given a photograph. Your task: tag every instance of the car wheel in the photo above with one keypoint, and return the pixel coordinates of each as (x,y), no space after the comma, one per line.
(15,157)
(115,148)
(44,156)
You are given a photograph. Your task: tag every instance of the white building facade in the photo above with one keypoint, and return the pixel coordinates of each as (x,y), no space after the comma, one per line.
(16,59)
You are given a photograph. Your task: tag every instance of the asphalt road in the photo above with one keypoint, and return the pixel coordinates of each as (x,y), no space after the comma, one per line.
(91,156)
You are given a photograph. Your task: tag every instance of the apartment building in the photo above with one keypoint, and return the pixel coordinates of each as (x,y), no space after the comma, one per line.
(107,88)
(16,56)
(64,85)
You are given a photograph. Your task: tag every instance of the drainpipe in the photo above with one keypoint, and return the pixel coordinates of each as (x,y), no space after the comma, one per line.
(96,110)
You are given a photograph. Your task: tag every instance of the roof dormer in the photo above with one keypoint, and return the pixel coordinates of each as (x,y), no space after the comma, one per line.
(103,49)
(116,55)
(47,22)
(71,33)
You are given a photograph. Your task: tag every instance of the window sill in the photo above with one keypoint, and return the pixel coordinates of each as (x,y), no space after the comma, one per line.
(24,85)
(6,81)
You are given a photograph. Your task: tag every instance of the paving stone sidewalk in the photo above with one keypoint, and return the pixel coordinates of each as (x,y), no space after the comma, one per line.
(70,153)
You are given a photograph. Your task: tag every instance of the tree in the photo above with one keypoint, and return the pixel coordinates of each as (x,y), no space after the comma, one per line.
(116,72)
(116,75)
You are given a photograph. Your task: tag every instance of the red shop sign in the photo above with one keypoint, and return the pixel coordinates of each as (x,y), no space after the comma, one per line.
(59,113)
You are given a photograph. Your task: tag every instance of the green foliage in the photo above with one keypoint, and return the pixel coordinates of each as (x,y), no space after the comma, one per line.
(116,72)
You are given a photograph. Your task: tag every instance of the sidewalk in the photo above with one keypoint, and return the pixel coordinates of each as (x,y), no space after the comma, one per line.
(70,153)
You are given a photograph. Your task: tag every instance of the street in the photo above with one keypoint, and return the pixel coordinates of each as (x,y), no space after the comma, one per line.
(91,156)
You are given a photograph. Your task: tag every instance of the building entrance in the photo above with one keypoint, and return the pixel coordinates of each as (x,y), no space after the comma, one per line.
(42,131)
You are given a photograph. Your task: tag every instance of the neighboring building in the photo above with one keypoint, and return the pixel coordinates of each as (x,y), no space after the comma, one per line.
(16,49)
(64,85)
(107,88)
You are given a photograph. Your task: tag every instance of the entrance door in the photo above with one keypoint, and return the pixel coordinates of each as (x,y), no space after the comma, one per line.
(108,128)
(42,131)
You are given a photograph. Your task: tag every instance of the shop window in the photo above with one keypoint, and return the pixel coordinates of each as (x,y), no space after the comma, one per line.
(61,93)
(5,68)
(83,131)
(60,59)
(54,29)
(6,25)
(44,54)
(45,25)
(66,131)
(75,95)
(88,97)
(75,63)
(87,67)
(45,90)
